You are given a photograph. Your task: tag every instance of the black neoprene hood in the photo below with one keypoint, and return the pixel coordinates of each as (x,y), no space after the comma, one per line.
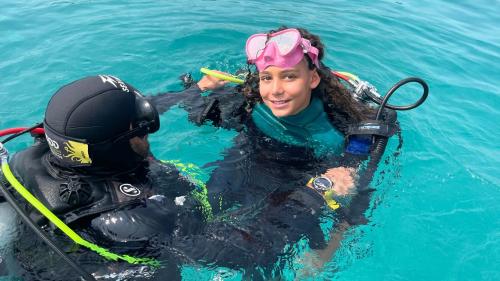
(93,109)
(84,119)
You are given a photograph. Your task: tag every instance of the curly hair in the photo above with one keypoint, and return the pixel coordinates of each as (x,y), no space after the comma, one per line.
(341,107)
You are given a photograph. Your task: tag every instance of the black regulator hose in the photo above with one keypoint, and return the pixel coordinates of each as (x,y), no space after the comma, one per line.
(38,125)
(380,142)
(383,102)
(379,146)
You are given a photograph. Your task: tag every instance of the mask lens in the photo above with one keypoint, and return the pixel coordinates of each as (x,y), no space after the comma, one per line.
(286,41)
(255,45)
(146,115)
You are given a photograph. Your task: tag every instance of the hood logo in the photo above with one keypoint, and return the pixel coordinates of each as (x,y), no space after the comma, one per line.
(113,80)
(130,190)
(370,127)
(54,147)
(52,142)
(77,152)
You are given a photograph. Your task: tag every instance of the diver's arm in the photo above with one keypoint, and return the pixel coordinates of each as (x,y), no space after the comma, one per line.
(223,107)
(351,215)
(246,239)
(164,101)
(352,202)
(316,258)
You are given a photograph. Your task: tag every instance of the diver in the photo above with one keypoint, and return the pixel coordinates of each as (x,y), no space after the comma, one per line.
(301,153)
(93,170)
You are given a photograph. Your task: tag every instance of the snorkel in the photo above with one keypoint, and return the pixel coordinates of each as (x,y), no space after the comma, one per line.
(229,78)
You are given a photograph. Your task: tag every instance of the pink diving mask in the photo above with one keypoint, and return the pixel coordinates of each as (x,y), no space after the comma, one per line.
(283,49)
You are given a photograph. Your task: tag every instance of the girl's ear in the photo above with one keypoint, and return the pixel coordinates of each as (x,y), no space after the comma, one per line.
(315,79)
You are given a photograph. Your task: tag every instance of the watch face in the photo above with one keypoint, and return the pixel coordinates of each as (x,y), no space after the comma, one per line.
(322,183)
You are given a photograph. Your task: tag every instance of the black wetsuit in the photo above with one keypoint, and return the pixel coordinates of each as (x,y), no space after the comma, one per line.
(258,191)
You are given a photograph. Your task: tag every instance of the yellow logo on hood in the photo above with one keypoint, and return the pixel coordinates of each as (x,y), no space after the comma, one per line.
(78,152)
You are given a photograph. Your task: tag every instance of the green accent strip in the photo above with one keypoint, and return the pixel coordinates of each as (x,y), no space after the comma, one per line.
(221,76)
(195,174)
(65,228)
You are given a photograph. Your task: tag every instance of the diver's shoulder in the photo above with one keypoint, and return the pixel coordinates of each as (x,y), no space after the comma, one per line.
(24,161)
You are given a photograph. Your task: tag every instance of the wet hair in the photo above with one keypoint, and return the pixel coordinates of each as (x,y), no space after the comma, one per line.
(341,107)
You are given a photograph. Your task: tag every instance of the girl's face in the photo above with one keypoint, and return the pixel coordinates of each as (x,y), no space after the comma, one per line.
(287,91)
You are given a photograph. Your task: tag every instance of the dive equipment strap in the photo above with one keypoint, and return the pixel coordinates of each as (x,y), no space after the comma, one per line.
(71,217)
(369,127)
(360,137)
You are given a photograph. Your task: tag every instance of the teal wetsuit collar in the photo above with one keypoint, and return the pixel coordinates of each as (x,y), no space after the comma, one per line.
(309,128)
(311,113)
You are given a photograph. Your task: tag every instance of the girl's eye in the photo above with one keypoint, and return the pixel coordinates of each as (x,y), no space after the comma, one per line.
(290,76)
(265,78)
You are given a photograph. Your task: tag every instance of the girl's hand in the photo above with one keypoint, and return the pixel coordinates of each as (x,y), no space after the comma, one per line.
(343,180)
(208,82)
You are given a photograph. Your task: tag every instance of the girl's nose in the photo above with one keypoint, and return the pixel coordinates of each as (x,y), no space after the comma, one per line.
(277,88)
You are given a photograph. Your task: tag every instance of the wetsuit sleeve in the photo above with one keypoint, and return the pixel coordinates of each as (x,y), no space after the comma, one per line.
(222,108)
(164,101)
(157,217)
(171,211)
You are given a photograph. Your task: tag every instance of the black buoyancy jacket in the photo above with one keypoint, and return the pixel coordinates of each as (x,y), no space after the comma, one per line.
(144,198)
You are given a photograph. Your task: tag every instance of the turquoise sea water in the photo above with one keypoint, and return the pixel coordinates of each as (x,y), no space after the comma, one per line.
(435,215)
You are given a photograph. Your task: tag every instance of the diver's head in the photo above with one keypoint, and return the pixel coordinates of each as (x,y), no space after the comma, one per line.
(287,66)
(101,122)
(335,97)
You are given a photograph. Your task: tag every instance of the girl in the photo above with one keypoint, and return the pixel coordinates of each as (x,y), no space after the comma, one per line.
(270,189)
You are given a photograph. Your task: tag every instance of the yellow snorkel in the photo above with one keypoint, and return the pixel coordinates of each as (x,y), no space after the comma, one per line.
(221,76)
